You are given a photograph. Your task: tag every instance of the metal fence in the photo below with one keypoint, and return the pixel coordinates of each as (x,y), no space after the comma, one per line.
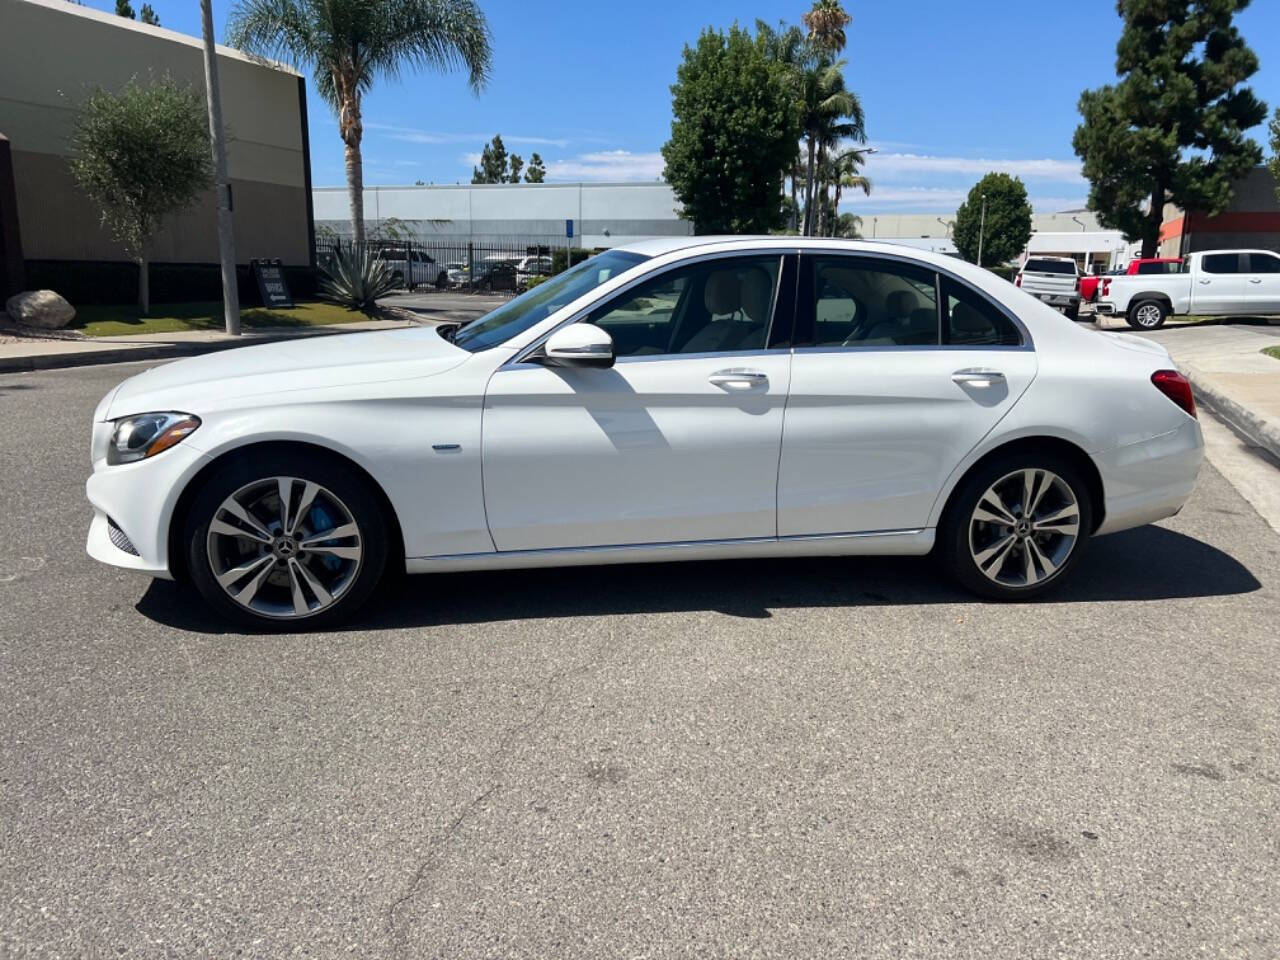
(492,265)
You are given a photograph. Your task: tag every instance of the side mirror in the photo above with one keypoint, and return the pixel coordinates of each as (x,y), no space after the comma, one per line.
(579,345)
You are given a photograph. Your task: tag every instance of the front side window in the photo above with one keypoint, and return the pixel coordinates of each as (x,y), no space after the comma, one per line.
(715,306)
(1221,263)
(974,321)
(1264,263)
(866,302)
(518,315)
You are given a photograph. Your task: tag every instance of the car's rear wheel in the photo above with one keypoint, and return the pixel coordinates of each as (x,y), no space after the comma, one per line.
(1017,525)
(1148,314)
(274,541)
(442,280)
(1073,311)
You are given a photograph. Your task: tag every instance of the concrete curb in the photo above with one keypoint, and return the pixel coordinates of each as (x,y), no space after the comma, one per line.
(1260,430)
(161,351)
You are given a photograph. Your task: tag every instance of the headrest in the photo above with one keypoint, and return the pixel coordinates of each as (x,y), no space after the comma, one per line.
(722,294)
(757,294)
(900,303)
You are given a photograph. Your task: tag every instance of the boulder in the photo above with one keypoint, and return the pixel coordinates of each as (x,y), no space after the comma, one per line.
(40,308)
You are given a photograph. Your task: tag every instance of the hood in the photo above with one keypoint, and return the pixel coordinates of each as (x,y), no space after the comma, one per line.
(332,360)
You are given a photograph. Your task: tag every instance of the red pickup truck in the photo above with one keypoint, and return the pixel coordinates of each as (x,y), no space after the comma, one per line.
(1152,265)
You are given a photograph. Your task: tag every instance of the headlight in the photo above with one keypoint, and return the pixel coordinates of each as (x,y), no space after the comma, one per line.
(136,438)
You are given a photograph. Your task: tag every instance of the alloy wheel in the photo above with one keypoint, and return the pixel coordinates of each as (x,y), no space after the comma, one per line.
(1024,528)
(1147,315)
(284,547)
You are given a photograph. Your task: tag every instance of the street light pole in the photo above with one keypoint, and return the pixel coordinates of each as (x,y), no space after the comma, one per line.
(221,185)
(982,227)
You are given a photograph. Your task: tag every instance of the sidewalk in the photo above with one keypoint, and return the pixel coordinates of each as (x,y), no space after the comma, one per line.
(1229,372)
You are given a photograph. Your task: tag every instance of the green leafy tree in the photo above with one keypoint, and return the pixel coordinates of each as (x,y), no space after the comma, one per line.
(493,163)
(1274,163)
(733,135)
(124,9)
(351,43)
(1172,128)
(149,15)
(537,171)
(1007,225)
(515,163)
(141,154)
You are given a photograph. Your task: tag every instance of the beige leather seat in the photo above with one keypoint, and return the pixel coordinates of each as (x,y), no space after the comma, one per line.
(722,298)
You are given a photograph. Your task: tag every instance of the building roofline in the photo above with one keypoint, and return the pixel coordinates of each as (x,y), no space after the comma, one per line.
(499,186)
(163,33)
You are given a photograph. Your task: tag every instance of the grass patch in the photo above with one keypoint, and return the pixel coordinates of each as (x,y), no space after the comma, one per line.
(1272,352)
(177,317)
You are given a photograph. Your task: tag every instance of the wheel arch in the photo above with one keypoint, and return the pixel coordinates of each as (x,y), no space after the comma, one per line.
(177,521)
(1038,442)
(1159,295)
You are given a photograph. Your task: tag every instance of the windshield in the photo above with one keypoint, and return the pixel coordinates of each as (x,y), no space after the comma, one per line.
(518,315)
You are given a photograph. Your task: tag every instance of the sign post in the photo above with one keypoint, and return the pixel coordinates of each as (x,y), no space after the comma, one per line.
(568,244)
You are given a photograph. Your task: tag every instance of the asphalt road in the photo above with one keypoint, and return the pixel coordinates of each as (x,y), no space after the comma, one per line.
(790,759)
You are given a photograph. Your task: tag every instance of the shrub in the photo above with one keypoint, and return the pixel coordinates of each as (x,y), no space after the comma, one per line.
(576,256)
(356,277)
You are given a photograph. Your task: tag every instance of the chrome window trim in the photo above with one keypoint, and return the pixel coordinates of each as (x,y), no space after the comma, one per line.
(522,356)
(1028,342)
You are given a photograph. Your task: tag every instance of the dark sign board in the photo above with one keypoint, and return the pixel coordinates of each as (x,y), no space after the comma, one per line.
(271,285)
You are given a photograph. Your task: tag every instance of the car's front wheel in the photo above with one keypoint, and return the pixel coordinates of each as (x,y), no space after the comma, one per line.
(1017,525)
(275,541)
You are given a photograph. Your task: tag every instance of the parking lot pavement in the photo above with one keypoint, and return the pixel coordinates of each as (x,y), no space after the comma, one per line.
(796,759)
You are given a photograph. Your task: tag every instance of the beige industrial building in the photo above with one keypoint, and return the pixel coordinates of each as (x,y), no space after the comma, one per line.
(53,52)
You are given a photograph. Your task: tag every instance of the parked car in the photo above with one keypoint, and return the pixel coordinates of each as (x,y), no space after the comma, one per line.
(413,268)
(530,267)
(1052,280)
(1139,266)
(493,275)
(456,271)
(631,409)
(1215,283)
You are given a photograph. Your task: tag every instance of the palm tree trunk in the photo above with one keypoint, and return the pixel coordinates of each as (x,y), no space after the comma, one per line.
(144,284)
(822,192)
(795,188)
(351,127)
(808,189)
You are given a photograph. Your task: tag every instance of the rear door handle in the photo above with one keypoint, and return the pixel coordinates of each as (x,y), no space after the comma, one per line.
(1255,279)
(1205,283)
(739,379)
(978,378)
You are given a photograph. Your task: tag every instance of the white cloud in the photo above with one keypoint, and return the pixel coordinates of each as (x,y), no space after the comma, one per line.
(414,135)
(916,165)
(607,165)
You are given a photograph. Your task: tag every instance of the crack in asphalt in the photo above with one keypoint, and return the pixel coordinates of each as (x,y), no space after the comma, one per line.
(437,847)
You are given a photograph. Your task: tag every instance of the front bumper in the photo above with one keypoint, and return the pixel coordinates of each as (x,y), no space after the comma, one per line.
(139,498)
(1151,479)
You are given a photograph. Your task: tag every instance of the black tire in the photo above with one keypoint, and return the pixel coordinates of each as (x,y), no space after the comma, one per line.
(1073,312)
(398,279)
(1141,316)
(351,490)
(442,280)
(956,550)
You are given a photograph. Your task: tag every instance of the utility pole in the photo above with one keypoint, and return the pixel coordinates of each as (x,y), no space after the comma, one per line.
(982,227)
(221,185)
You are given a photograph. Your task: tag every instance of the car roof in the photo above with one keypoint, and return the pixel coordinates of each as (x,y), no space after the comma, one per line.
(1201,253)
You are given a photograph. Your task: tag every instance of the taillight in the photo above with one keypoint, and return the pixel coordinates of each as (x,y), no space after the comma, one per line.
(1017,280)
(1176,387)
(1106,287)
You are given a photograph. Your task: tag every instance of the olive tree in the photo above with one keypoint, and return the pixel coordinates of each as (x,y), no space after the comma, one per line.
(140,155)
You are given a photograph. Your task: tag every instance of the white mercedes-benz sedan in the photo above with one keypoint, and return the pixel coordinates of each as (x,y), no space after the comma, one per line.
(684,398)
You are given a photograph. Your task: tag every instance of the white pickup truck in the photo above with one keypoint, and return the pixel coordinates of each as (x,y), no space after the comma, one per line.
(1053,280)
(1215,283)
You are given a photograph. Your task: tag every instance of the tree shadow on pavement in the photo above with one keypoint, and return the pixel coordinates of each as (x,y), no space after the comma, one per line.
(1150,563)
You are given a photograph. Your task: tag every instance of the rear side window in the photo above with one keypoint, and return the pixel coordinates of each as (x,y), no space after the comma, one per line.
(1159,268)
(1220,263)
(1263,263)
(1067,267)
(866,302)
(974,321)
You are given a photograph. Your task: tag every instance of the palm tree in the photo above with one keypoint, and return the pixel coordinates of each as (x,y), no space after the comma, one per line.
(788,46)
(844,174)
(350,43)
(826,22)
(832,113)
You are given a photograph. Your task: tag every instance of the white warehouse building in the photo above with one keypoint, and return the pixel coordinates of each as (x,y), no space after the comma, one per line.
(602,214)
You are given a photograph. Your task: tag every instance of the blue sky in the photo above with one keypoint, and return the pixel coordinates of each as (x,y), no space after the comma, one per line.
(951,90)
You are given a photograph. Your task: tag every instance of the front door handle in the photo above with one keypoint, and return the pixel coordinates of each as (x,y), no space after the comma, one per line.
(739,379)
(978,378)
(1205,283)
(1255,279)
